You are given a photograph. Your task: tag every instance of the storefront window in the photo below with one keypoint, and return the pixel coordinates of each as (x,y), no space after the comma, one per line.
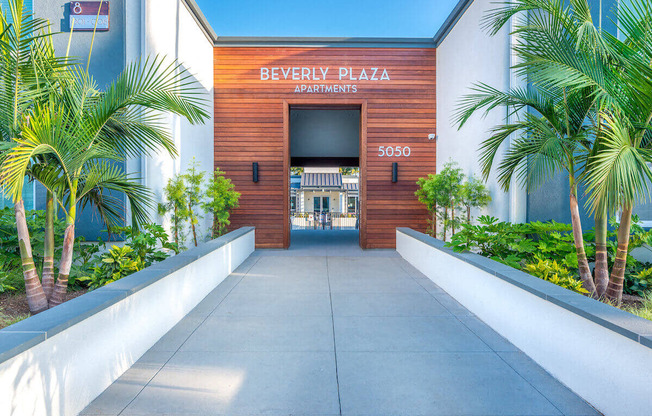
(293,203)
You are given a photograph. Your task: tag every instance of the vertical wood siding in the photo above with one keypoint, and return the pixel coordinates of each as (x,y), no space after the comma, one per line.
(249,127)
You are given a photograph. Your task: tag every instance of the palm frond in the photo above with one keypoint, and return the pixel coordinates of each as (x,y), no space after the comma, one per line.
(620,173)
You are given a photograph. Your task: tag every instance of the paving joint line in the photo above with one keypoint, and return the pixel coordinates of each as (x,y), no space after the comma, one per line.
(337,376)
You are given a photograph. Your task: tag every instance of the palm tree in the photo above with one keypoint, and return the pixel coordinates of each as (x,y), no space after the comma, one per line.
(562,50)
(620,172)
(551,137)
(71,140)
(28,69)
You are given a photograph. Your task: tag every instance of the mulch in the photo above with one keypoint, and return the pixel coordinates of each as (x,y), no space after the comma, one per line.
(14,305)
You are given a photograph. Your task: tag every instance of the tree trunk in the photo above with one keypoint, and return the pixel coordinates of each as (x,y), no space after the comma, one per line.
(445,225)
(434,217)
(452,220)
(176,225)
(434,224)
(60,289)
(36,298)
(583,264)
(468,214)
(192,225)
(601,266)
(615,286)
(48,247)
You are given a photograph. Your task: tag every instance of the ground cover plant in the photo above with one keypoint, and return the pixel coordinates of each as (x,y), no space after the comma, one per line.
(142,248)
(547,250)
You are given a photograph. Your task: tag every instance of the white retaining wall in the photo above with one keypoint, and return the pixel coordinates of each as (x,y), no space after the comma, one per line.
(64,373)
(611,371)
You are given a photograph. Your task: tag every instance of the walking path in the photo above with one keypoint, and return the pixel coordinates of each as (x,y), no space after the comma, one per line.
(328,329)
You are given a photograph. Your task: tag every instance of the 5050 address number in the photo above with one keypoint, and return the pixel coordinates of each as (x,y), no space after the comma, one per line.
(394,151)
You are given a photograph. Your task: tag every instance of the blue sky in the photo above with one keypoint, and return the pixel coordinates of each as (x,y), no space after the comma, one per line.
(347,18)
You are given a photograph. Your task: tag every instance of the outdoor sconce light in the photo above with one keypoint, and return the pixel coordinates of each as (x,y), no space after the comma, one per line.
(394,172)
(254,169)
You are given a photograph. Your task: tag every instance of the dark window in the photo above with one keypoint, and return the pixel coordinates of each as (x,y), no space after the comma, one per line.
(352,204)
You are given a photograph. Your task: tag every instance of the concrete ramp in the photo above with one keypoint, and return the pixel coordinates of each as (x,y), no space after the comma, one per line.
(329,329)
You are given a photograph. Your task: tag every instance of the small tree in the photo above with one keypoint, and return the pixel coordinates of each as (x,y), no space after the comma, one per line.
(194,179)
(221,198)
(450,190)
(427,195)
(474,195)
(446,192)
(176,206)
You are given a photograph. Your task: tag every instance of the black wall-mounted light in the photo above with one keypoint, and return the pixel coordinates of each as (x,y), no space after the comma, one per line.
(394,172)
(254,169)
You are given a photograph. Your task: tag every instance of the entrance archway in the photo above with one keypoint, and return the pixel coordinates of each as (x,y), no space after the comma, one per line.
(312,150)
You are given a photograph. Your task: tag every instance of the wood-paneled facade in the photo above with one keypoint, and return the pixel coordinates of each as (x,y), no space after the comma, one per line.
(252,125)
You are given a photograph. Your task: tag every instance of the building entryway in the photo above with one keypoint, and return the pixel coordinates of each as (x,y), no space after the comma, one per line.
(327,332)
(325,174)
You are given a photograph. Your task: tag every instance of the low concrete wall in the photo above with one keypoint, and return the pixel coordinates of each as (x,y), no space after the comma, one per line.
(57,362)
(600,352)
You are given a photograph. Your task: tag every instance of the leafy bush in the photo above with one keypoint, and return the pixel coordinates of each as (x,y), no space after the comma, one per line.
(151,243)
(518,244)
(221,198)
(639,283)
(523,245)
(552,272)
(6,275)
(143,248)
(114,265)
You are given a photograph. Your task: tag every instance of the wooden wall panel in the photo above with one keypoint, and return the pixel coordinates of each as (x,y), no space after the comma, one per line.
(250,126)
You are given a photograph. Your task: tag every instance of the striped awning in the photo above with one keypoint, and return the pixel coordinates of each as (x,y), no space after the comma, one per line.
(321,180)
(350,186)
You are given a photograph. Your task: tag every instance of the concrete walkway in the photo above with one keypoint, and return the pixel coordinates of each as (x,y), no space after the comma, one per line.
(328,329)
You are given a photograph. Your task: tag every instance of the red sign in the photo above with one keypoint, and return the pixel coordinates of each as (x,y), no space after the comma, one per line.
(89,15)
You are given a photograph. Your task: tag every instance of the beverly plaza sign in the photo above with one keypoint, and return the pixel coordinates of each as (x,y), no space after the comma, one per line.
(323,74)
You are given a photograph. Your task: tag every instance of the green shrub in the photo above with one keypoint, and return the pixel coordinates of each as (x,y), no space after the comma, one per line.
(114,265)
(640,283)
(150,242)
(522,245)
(518,244)
(552,272)
(221,198)
(142,248)
(6,278)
